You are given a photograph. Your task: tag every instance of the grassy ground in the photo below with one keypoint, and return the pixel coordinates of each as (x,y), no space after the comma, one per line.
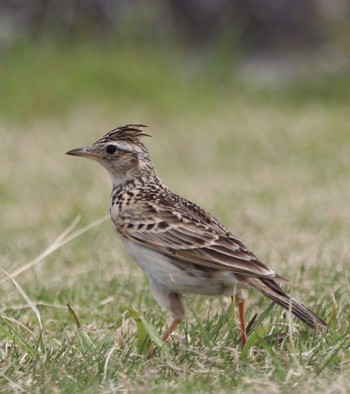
(272,164)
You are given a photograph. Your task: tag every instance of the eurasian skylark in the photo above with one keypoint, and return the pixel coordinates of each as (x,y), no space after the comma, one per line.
(181,247)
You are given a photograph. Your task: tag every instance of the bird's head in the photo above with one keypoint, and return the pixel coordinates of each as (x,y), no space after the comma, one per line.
(120,151)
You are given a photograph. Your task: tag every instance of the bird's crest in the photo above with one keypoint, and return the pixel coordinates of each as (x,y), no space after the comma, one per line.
(129,133)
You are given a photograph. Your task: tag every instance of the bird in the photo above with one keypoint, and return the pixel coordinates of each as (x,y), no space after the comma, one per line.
(182,248)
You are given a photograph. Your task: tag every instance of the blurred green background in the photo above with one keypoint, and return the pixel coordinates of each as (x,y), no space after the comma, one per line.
(214,80)
(57,56)
(248,106)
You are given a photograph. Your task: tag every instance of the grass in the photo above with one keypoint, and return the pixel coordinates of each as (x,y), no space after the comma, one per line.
(272,164)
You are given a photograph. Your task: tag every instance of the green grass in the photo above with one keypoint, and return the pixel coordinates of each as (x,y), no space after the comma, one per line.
(272,164)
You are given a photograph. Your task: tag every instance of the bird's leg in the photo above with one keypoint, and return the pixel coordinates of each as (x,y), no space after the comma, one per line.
(172,327)
(240,300)
(171,301)
(165,337)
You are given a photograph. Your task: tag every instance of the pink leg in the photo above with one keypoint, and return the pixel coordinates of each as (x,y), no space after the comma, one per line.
(165,337)
(242,319)
(241,298)
(172,327)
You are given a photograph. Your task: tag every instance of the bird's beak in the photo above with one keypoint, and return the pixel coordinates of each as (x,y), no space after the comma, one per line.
(83,152)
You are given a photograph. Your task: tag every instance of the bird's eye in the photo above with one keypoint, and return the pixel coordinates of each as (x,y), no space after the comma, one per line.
(110,149)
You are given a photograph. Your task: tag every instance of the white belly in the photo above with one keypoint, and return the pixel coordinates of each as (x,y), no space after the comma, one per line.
(162,271)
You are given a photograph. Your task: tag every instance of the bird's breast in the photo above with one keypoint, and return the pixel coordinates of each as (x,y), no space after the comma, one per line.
(180,276)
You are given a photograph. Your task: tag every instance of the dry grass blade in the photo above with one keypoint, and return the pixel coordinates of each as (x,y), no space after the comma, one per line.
(105,367)
(32,306)
(13,384)
(26,298)
(17,322)
(75,317)
(9,332)
(60,241)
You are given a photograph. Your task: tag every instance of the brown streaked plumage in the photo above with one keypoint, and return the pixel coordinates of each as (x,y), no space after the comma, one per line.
(181,247)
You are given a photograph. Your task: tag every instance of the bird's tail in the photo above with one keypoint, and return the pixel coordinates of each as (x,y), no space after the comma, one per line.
(272,290)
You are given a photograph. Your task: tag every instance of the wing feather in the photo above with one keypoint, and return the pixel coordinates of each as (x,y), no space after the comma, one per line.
(196,237)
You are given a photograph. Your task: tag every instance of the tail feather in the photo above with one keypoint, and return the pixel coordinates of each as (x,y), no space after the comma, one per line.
(272,290)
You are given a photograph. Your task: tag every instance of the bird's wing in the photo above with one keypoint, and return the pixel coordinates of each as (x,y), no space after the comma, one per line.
(187,232)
